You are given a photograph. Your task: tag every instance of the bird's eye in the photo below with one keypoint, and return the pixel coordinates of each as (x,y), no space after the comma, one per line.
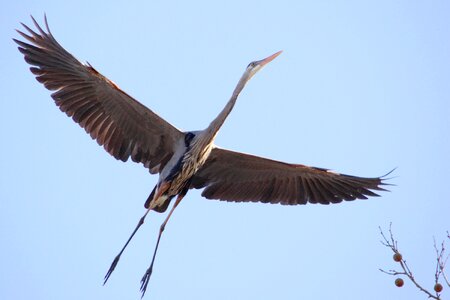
(251,65)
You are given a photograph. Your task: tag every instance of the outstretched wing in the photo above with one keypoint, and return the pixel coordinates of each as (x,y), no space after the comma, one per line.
(124,127)
(239,177)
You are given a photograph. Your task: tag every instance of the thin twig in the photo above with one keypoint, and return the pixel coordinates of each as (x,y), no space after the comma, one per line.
(392,244)
(441,262)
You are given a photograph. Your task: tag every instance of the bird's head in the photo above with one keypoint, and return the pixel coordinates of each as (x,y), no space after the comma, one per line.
(251,70)
(255,66)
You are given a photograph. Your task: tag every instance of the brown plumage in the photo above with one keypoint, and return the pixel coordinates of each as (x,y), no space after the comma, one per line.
(184,160)
(122,125)
(239,177)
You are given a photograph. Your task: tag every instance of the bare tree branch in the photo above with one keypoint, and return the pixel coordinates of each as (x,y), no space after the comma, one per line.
(441,262)
(406,271)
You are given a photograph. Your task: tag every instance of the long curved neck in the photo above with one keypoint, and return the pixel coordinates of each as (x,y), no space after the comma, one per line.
(215,125)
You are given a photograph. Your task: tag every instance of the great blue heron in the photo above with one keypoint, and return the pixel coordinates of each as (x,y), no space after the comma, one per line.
(184,160)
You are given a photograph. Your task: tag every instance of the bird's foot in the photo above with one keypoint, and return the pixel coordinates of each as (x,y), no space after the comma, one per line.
(145,279)
(111,268)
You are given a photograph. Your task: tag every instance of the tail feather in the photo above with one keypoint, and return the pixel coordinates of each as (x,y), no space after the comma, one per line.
(160,209)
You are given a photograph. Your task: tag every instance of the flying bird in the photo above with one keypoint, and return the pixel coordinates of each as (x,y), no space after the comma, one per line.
(184,160)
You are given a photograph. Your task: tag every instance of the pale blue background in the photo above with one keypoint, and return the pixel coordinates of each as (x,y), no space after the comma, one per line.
(361,87)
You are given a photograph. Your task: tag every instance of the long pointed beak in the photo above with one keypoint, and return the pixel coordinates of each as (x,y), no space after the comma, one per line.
(267,60)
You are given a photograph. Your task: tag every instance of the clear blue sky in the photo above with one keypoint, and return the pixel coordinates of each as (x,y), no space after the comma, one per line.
(361,87)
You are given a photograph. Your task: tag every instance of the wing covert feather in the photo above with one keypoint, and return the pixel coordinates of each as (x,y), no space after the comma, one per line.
(122,125)
(239,177)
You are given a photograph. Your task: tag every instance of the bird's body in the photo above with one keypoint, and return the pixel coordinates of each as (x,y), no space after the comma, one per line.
(189,156)
(184,160)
